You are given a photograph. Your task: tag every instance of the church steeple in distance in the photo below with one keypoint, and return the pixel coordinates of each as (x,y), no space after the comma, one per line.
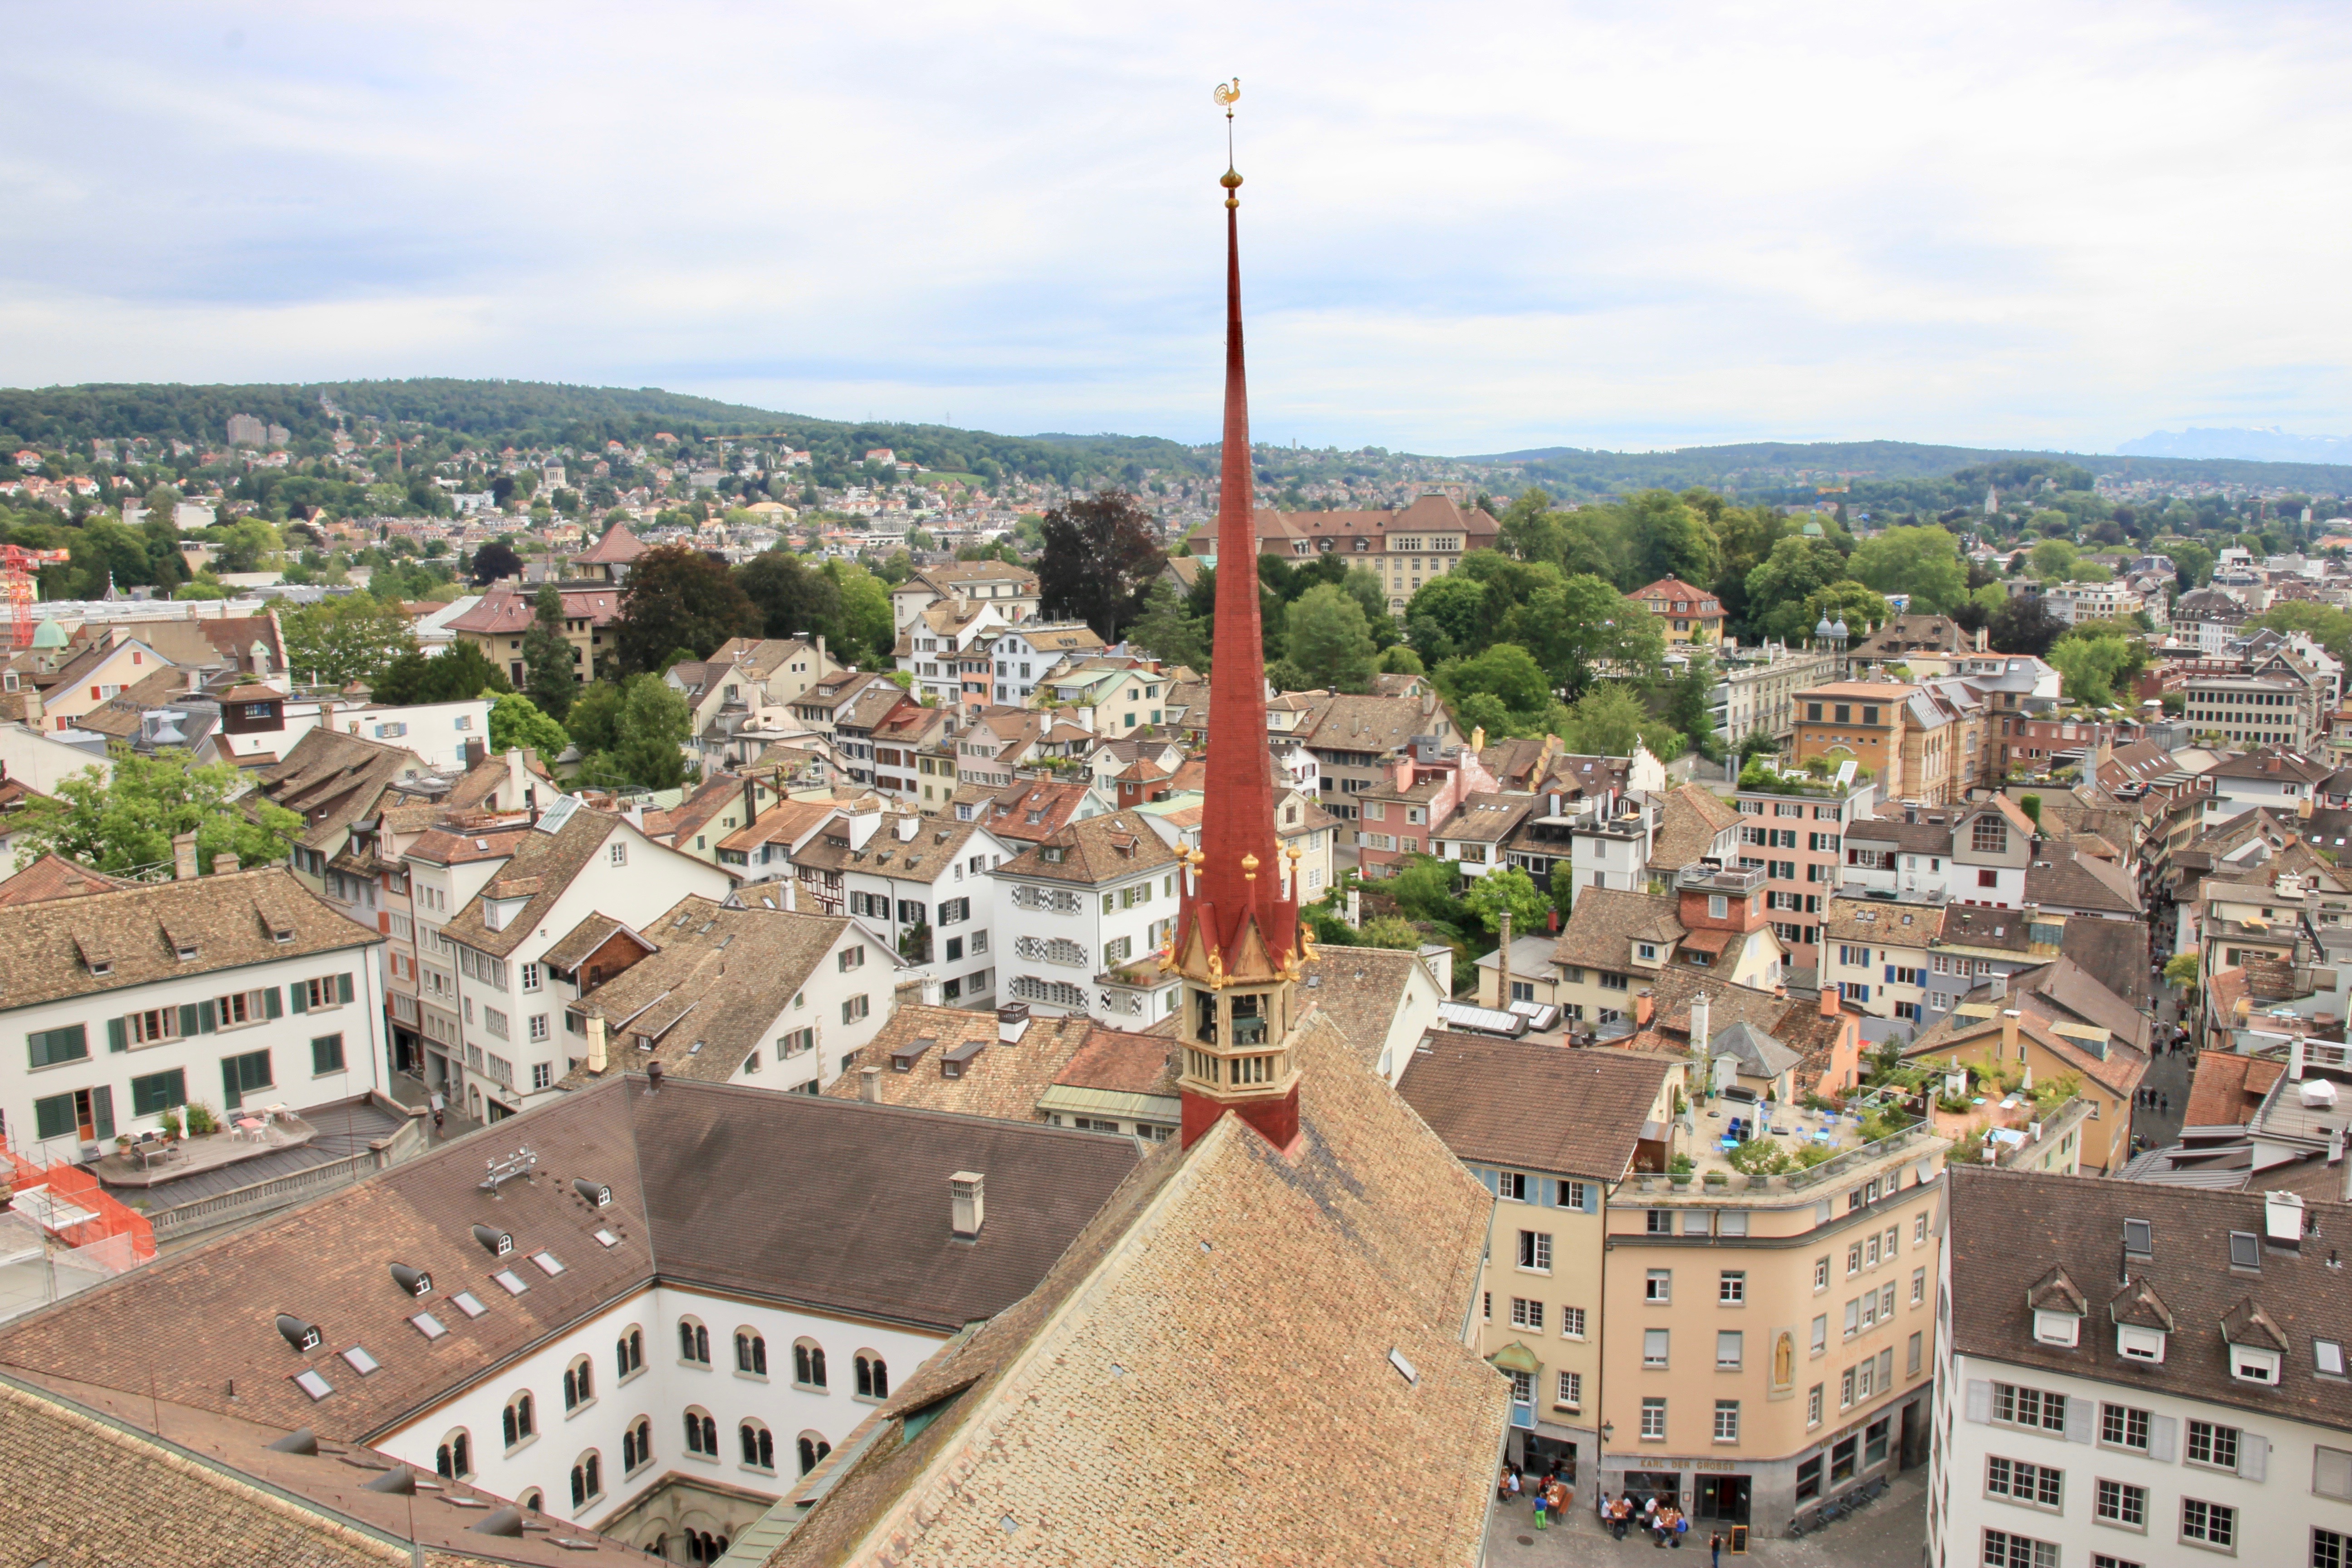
(1237,942)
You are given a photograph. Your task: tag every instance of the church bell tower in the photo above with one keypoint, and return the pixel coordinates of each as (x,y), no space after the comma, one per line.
(1237,943)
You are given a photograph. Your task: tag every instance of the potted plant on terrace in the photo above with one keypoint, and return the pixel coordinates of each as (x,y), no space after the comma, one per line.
(1678,1170)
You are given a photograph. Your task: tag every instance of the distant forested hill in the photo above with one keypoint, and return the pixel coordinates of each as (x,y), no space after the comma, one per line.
(542,414)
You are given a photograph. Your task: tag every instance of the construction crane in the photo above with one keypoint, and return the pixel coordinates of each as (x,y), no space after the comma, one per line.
(17,569)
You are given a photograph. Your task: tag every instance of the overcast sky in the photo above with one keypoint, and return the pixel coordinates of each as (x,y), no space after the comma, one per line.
(1466,228)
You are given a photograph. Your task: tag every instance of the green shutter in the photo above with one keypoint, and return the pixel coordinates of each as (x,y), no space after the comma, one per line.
(207,1016)
(301,992)
(102,1112)
(232,1088)
(271,1007)
(54,1117)
(342,988)
(188,1019)
(118,1039)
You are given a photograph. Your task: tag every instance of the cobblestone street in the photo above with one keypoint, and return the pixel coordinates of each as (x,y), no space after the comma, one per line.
(1890,1533)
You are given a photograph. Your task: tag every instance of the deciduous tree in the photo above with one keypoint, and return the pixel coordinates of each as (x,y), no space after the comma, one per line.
(454,676)
(1100,557)
(337,641)
(517,720)
(127,826)
(1924,563)
(551,675)
(1330,640)
(678,598)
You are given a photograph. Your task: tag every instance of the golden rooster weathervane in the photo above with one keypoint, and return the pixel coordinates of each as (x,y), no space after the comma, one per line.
(1227,94)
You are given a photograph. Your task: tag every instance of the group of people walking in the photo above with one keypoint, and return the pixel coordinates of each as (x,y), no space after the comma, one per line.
(1550,1497)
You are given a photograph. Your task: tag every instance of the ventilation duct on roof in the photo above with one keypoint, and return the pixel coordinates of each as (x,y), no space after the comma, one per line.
(504,1522)
(400,1480)
(302,1441)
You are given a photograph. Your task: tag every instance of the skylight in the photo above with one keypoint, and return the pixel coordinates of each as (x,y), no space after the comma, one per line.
(360,1360)
(311,1383)
(547,1263)
(606,1239)
(470,1303)
(429,1325)
(510,1282)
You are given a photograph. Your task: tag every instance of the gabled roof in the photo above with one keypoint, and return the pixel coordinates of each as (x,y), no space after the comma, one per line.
(1604,922)
(508,611)
(1689,819)
(54,876)
(193,1324)
(542,866)
(331,779)
(993,1078)
(677,1005)
(1766,1056)
(1094,851)
(1379,1225)
(48,949)
(2225,1089)
(2069,879)
(1475,1093)
(1681,598)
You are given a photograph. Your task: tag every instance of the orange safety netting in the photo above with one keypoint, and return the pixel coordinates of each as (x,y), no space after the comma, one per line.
(71,1185)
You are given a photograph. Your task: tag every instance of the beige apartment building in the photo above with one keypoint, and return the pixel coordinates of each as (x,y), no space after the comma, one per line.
(1769,1340)
(1607,1113)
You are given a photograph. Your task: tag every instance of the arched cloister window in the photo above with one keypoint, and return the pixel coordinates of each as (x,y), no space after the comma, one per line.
(693,1342)
(873,1377)
(453,1458)
(701,1432)
(587,1478)
(637,1445)
(808,1363)
(629,1351)
(750,1352)
(759,1446)
(579,1384)
(813,1449)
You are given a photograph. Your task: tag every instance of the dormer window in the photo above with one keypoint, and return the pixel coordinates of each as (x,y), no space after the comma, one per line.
(2057,1328)
(2139,1344)
(2251,1363)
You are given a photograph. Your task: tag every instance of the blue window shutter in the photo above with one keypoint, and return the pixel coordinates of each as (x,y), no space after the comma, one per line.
(1890,975)
(1493,1184)
(117,1037)
(271,1007)
(342,988)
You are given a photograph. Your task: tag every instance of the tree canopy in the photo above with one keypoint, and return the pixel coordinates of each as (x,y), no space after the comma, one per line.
(337,641)
(127,826)
(677,597)
(1100,557)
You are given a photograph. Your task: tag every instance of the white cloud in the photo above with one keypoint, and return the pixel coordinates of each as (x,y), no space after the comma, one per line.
(1464,228)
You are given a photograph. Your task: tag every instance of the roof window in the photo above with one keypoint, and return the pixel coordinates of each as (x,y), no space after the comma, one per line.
(470,1303)
(547,1263)
(311,1383)
(360,1360)
(2139,1238)
(512,1283)
(429,1325)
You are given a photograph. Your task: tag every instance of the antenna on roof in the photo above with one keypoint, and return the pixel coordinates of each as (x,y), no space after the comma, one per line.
(521,1163)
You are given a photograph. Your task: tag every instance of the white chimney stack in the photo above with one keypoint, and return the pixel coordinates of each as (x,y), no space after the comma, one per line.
(596,1059)
(2294,1059)
(967,1204)
(869,1085)
(1700,1017)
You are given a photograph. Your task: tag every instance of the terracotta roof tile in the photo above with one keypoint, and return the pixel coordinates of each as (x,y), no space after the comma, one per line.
(1474,1094)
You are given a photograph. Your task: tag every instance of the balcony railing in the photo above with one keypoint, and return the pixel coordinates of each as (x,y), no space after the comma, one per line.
(1720,878)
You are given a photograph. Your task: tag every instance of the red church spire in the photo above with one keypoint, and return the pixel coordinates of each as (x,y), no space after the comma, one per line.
(1237,940)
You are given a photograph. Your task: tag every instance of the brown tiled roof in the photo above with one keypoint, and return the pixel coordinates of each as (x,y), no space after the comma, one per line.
(2114,952)
(46,948)
(2009,1227)
(1689,818)
(1375,724)
(2067,879)
(1223,1279)
(681,1000)
(1474,1094)
(938,843)
(680,823)
(460,845)
(54,876)
(332,779)
(781,822)
(2073,993)
(90,1484)
(1487,818)
(1604,922)
(1001,1080)
(1095,850)
(1880,920)
(573,948)
(619,546)
(1362,989)
(542,866)
(1971,925)
(678,1162)
(506,611)
(1122,1063)
(2225,1089)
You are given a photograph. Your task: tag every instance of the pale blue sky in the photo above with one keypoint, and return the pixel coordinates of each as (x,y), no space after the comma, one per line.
(1465,227)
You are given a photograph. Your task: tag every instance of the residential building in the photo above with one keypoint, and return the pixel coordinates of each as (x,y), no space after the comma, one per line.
(2072,601)
(498,623)
(1766,1348)
(1357,741)
(939,645)
(1997,1037)
(609,559)
(487,910)
(1032,809)
(1404,547)
(2253,710)
(857,722)
(920,884)
(636,996)
(1082,916)
(1025,653)
(1797,825)
(235,988)
(1867,723)
(1755,690)
(1541,1319)
(1689,617)
(1110,697)
(1427,787)
(2140,1373)
(1010,590)
(1614,942)
(1877,954)
(1901,637)
(1063,1072)
(333,781)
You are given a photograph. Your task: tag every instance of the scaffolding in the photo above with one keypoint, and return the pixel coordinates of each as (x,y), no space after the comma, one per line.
(68,1203)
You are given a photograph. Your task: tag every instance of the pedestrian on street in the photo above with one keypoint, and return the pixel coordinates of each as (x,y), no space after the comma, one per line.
(1714,1551)
(1542,1502)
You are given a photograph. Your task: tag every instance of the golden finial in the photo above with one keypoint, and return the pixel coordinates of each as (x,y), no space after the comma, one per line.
(1227,94)
(1249,867)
